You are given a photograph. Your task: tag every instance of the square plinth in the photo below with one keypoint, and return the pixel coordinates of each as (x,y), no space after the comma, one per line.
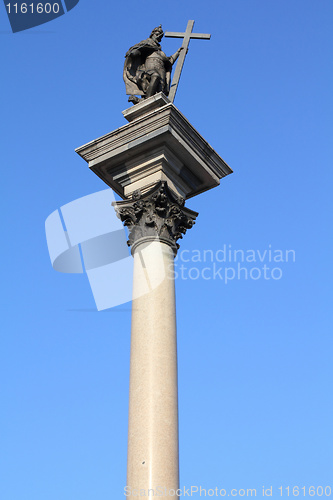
(159,144)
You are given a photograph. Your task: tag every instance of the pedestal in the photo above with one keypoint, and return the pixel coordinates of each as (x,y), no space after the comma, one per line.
(158,144)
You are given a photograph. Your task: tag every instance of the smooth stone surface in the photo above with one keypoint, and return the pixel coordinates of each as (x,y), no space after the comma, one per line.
(153,400)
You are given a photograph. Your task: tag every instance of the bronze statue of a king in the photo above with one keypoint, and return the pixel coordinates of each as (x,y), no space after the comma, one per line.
(147,69)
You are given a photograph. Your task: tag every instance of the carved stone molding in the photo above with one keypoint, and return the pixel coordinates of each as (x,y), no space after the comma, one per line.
(157,215)
(168,146)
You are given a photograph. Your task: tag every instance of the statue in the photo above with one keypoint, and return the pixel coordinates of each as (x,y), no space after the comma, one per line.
(147,69)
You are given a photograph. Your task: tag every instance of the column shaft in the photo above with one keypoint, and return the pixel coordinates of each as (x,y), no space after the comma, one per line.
(153,401)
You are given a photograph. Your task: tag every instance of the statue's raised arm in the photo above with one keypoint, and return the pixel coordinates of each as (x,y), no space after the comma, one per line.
(147,69)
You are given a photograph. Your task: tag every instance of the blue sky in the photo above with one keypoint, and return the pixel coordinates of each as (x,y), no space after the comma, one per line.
(255,356)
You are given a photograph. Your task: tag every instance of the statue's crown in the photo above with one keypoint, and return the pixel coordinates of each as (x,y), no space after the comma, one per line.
(157,30)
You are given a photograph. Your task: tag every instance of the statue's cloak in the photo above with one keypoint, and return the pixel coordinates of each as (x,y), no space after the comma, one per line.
(134,68)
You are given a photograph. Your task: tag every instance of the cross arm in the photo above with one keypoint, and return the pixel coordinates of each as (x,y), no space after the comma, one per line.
(201,36)
(187,36)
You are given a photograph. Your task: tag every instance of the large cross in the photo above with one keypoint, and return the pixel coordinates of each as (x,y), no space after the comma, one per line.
(186,40)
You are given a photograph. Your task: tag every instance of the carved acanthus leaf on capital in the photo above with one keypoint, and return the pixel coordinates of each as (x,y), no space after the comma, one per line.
(158,214)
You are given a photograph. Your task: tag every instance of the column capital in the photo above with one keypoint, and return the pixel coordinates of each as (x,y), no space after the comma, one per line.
(159,214)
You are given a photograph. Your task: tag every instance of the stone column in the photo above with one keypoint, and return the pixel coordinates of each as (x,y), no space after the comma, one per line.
(153,402)
(157,147)
(155,221)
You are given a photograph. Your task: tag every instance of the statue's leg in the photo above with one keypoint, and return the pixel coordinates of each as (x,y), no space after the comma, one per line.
(153,85)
